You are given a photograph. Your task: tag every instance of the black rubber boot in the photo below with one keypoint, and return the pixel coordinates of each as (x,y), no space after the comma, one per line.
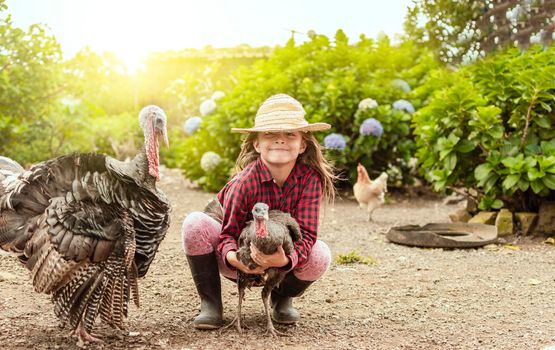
(282,299)
(204,269)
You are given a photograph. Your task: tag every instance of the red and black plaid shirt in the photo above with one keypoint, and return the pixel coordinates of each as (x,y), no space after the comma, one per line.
(300,196)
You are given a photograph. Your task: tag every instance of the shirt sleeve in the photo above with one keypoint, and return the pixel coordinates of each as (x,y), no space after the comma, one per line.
(307,215)
(235,206)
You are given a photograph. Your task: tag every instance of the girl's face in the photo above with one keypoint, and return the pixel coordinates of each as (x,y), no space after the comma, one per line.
(279,148)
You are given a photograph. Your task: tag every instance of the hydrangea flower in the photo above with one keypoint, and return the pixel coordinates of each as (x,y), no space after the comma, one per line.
(367,103)
(192,125)
(536,38)
(403,105)
(217,95)
(335,141)
(371,126)
(207,107)
(210,161)
(401,84)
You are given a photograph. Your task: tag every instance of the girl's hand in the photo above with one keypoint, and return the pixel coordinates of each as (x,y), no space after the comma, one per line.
(277,259)
(231,258)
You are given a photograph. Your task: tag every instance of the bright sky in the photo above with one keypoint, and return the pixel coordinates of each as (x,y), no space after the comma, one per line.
(132,28)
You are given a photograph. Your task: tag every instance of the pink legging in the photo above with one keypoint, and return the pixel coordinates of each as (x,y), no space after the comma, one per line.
(200,235)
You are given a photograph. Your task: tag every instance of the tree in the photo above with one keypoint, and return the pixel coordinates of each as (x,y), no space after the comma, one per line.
(464,30)
(30,78)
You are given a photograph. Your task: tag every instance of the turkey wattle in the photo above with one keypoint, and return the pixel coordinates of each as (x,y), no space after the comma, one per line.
(87,226)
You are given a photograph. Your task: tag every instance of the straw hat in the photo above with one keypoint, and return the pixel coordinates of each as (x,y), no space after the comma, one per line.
(282,112)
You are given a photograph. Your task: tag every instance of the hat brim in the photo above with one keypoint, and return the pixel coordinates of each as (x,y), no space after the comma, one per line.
(277,128)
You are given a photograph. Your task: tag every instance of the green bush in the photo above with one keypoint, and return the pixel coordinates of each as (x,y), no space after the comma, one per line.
(30,81)
(490,126)
(82,128)
(329,78)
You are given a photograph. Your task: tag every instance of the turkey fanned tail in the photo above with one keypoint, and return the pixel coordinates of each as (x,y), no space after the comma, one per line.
(104,288)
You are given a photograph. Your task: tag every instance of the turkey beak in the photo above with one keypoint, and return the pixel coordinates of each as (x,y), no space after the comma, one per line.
(266,217)
(163,136)
(166,140)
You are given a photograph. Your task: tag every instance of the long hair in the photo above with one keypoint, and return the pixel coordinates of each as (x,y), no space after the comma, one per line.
(312,156)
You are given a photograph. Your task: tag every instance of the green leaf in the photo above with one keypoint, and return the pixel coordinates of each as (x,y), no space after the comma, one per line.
(546,163)
(546,106)
(523,185)
(491,183)
(465,146)
(534,174)
(482,171)
(549,181)
(530,162)
(497,204)
(542,123)
(443,153)
(450,162)
(496,132)
(537,186)
(510,181)
(454,139)
(514,163)
(548,147)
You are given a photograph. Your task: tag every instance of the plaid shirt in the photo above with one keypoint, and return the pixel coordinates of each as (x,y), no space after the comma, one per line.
(300,196)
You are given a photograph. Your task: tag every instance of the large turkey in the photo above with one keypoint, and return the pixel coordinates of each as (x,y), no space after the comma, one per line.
(87,226)
(268,230)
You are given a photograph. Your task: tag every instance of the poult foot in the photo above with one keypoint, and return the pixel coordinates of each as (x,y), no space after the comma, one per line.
(237,322)
(274,332)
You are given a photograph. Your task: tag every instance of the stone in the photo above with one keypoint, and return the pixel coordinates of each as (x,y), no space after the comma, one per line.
(453,198)
(471,205)
(483,217)
(7,276)
(504,223)
(459,215)
(546,219)
(526,221)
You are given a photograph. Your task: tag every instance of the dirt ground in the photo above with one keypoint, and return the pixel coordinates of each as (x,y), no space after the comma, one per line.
(412,298)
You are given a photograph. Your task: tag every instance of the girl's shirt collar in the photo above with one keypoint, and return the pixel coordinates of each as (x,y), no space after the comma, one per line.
(298,170)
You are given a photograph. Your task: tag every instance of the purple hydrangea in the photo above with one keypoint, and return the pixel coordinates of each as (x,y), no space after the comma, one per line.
(192,125)
(403,105)
(335,141)
(401,84)
(371,126)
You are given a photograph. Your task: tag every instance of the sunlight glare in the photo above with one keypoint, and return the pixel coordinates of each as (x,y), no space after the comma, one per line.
(133,29)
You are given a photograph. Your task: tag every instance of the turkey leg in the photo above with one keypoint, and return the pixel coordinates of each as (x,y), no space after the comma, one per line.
(237,320)
(273,279)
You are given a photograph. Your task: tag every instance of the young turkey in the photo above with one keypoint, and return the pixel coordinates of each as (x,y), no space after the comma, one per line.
(267,231)
(87,226)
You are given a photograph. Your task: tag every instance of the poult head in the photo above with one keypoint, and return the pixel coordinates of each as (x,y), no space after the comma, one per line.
(260,215)
(260,211)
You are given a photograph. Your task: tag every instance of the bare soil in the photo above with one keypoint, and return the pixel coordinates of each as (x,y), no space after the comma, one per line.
(499,297)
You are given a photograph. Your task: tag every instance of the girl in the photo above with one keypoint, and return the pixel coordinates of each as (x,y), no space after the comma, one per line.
(280,164)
